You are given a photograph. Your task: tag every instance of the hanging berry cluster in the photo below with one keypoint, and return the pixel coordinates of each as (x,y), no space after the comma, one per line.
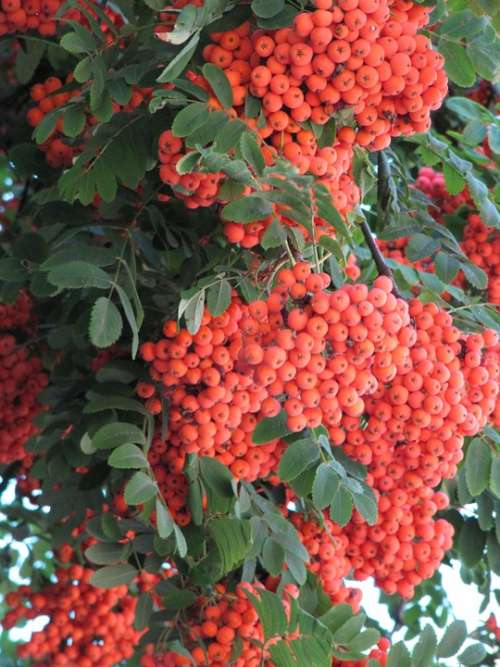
(87,625)
(361,62)
(21,381)
(396,384)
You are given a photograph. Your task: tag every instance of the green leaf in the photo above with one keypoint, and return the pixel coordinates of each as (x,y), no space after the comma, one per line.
(473,655)
(177,65)
(398,656)
(247,209)
(477,466)
(495,476)
(452,639)
(189,119)
(113,576)
(366,504)
(12,270)
(271,613)
(131,317)
(31,247)
(105,553)
(298,456)
(143,611)
(348,631)
(485,58)
(273,556)
(29,55)
(128,456)
(251,152)
(493,553)
(271,428)
(47,125)
(423,652)
(193,311)
(180,541)
(164,521)
(476,276)
(454,181)
(78,275)
(446,266)
(458,64)
(83,42)
(139,489)
(219,297)
(471,542)
(266,9)
(229,136)
(325,486)
(118,433)
(341,507)
(365,640)
(74,121)
(233,540)
(216,477)
(219,83)
(274,236)
(421,246)
(105,322)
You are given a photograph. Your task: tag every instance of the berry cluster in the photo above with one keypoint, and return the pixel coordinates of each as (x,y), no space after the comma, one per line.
(59,150)
(327,545)
(361,62)
(395,384)
(196,189)
(87,625)
(481,244)
(21,381)
(41,15)
(412,439)
(362,54)
(16,315)
(215,625)
(433,184)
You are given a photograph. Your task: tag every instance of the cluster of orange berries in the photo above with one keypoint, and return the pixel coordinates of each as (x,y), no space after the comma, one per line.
(215,403)
(41,15)
(360,57)
(327,546)
(395,384)
(220,621)
(59,150)
(21,381)
(362,54)
(412,439)
(168,465)
(196,189)
(481,244)
(87,625)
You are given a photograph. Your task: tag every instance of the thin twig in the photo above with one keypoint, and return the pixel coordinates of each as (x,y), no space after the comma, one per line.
(378,258)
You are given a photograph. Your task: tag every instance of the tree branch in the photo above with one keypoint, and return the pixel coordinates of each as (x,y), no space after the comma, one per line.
(382,202)
(378,258)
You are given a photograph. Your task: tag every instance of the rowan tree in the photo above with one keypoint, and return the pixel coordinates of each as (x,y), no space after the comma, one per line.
(249,331)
